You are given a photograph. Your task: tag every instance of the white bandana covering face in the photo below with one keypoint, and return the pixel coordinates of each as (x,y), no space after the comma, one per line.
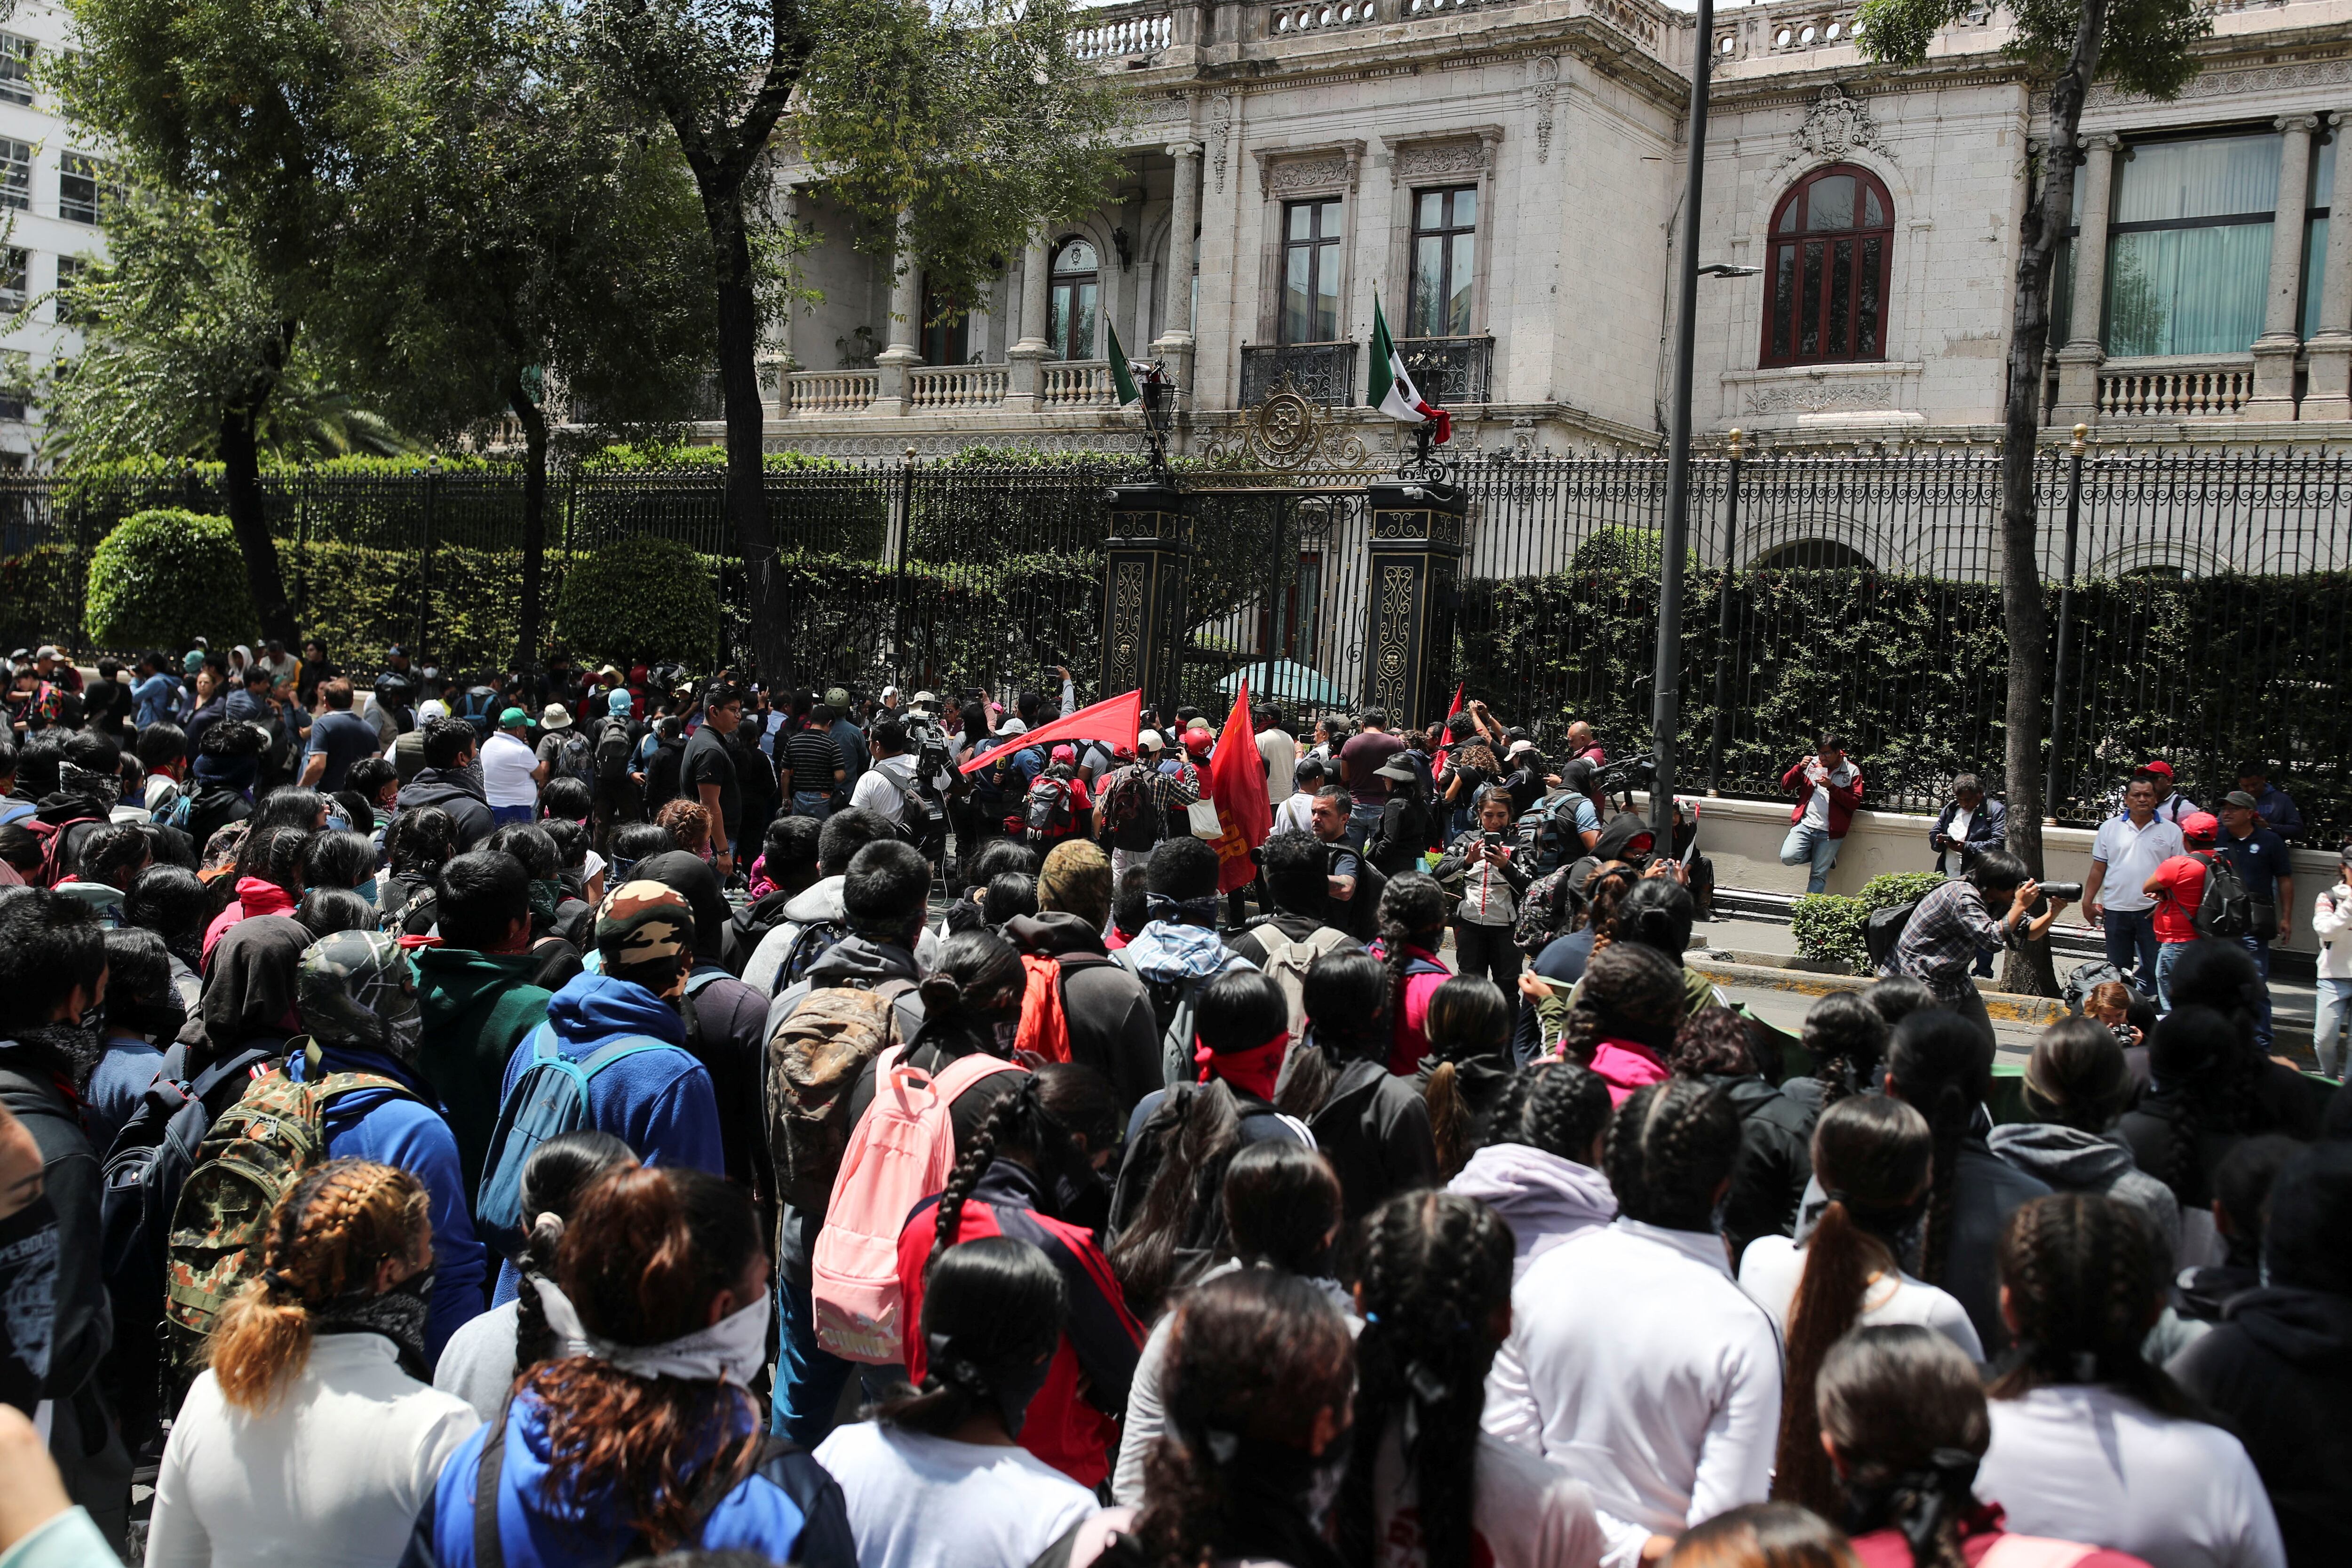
(730,1351)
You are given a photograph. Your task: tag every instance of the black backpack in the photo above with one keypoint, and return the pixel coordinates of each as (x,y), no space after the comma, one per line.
(1546,833)
(814,941)
(2226,909)
(662,774)
(1884,929)
(614,746)
(572,759)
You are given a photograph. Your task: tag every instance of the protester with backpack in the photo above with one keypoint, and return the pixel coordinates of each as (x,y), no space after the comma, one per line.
(611,1056)
(1284,943)
(812,919)
(1016,1178)
(311,1437)
(1177,952)
(1083,1005)
(52,978)
(1939,943)
(613,753)
(1056,807)
(650,1442)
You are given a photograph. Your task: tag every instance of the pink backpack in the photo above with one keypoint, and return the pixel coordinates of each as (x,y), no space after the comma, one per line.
(900,1153)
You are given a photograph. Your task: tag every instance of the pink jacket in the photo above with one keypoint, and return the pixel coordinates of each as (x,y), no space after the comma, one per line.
(254,896)
(1625,1066)
(1409,1040)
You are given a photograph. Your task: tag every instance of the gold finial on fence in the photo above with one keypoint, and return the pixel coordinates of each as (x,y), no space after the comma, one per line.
(2082,439)
(1739,444)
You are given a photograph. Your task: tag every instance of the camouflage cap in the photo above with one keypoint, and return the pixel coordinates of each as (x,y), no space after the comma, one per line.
(644,925)
(358,989)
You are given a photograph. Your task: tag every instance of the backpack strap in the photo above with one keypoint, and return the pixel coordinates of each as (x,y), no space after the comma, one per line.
(489,1552)
(960,1074)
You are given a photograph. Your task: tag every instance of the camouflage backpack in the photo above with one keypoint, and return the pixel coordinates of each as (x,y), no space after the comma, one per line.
(252,1156)
(814,1057)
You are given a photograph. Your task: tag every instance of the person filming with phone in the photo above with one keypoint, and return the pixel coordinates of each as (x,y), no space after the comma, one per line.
(1940,942)
(1483,863)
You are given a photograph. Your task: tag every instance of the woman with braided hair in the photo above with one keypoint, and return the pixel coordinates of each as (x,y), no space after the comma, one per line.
(1634,1362)
(1469,1068)
(1767,1184)
(1540,1165)
(1903,1428)
(1373,1126)
(479,1362)
(2090,1440)
(1027,1173)
(1871,1154)
(1847,1037)
(1425,1487)
(310,1438)
(934,1476)
(1413,928)
(1622,1027)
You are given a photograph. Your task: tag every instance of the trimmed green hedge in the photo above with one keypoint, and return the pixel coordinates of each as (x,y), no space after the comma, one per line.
(1828,927)
(641,598)
(165,578)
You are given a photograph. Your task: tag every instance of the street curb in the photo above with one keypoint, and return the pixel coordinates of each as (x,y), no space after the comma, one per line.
(2005,1005)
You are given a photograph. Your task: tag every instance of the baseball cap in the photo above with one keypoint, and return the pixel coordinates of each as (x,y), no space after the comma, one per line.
(396,651)
(49,651)
(2156,766)
(1065,753)
(1518,746)
(889,692)
(642,925)
(2239,798)
(431,708)
(512,717)
(190,661)
(1148,741)
(1013,727)
(2200,825)
(836,697)
(554,716)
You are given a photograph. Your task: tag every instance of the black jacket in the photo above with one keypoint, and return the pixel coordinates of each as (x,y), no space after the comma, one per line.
(1775,1162)
(2279,1369)
(458,792)
(1987,829)
(1374,1129)
(1107,1010)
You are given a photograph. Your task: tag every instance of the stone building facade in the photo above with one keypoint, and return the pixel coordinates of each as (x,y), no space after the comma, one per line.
(1506,176)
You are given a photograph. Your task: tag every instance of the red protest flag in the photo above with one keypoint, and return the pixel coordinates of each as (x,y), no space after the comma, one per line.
(1237,785)
(1114,720)
(1449,713)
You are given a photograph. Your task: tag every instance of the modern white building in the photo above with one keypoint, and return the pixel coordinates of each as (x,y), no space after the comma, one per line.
(1506,176)
(52,195)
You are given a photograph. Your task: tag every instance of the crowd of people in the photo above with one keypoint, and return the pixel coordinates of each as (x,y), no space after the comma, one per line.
(598,1117)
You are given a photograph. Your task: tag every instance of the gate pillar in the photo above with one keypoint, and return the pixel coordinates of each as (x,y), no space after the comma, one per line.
(1417,529)
(1148,546)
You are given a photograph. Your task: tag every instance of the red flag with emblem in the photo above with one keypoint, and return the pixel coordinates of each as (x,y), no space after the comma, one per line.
(1236,784)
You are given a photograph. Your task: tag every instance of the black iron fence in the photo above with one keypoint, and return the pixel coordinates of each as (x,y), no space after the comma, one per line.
(2209,619)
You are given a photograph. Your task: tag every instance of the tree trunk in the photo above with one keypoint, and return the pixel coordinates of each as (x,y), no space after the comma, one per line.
(739,386)
(534,521)
(2025,615)
(241,482)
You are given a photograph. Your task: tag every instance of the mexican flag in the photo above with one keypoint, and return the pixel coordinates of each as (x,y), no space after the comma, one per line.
(1393,391)
(1122,371)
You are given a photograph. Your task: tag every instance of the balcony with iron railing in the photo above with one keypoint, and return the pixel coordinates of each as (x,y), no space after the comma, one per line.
(1449,372)
(1142,34)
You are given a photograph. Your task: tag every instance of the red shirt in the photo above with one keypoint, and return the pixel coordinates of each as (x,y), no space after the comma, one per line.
(1978,1535)
(2180,883)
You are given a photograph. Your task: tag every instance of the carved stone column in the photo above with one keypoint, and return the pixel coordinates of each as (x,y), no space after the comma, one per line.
(1024,356)
(906,331)
(1173,347)
(1148,546)
(2328,396)
(2275,350)
(1416,556)
(2080,356)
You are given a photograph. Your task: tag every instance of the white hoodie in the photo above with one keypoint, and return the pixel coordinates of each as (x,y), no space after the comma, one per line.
(2331,922)
(1544,1198)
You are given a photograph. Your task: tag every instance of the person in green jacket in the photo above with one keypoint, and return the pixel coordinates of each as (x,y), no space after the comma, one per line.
(475,993)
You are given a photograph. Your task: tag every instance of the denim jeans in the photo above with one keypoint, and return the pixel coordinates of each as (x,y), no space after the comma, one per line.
(809,1379)
(1364,818)
(2131,945)
(1812,845)
(812,803)
(508,816)
(2333,1011)
(2166,955)
(2260,951)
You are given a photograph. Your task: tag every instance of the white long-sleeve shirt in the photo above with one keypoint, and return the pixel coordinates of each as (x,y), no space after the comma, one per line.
(2087,1463)
(1636,1365)
(332,1475)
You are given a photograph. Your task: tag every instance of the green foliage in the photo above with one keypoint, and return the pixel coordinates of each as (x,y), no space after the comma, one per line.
(1829,928)
(1615,548)
(40,593)
(165,578)
(651,456)
(641,598)
(2145,46)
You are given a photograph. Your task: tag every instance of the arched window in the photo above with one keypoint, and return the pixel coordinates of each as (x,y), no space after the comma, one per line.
(1833,240)
(1070,307)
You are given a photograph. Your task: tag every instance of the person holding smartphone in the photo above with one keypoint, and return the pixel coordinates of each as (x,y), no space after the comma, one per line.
(1482,864)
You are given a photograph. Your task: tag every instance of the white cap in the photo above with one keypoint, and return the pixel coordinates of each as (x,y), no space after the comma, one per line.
(1013,727)
(431,708)
(1518,746)
(1148,740)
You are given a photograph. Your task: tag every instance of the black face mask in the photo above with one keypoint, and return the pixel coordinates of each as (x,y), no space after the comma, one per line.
(398,1314)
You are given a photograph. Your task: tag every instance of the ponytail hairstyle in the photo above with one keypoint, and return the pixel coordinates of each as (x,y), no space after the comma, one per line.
(326,1239)
(1052,1125)
(1196,1129)
(2189,1057)
(1656,913)
(1903,1406)
(1346,999)
(1846,1037)
(1008,896)
(1631,992)
(2086,1281)
(1873,1156)
(554,1176)
(420,841)
(1762,1535)
(1604,892)
(1712,1041)
(978,980)
(1411,914)
(1943,1067)
(645,1257)
(1435,1283)
(1671,1147)
(1282,1206)
(993,1310)
(1556,1107)
(1467,1017)
(2077,1076)
(1253,1358)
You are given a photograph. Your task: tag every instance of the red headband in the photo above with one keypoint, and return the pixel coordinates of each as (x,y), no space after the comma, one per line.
(1253,1071)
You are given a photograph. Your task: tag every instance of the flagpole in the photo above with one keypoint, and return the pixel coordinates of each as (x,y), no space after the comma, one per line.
(1665,711)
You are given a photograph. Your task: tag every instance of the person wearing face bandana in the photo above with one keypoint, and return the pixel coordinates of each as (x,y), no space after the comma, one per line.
(649,1441)
(312,1437)
(52,984)
(1031,1173)
(357,997)
(938,1478)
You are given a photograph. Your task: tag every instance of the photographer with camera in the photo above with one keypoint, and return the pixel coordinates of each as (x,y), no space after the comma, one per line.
(1828,788)
(1483,863)
(1948,928)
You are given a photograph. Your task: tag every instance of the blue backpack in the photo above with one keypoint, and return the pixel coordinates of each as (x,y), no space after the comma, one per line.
(550,1099)
(479,706)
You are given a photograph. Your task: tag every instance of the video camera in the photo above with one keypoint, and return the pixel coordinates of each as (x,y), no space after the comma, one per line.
(1624,775)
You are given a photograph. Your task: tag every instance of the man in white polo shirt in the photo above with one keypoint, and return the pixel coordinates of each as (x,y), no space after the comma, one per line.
(2124,856)
(511,771)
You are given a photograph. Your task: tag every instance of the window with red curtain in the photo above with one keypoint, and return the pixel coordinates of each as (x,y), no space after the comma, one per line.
(1831,252)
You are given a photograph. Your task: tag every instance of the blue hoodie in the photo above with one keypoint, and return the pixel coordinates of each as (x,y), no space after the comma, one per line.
(758,1516)
(393,1129)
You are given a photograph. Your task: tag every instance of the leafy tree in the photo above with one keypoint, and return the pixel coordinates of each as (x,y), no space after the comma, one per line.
(975,117)
(162,579)
(2143,47)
